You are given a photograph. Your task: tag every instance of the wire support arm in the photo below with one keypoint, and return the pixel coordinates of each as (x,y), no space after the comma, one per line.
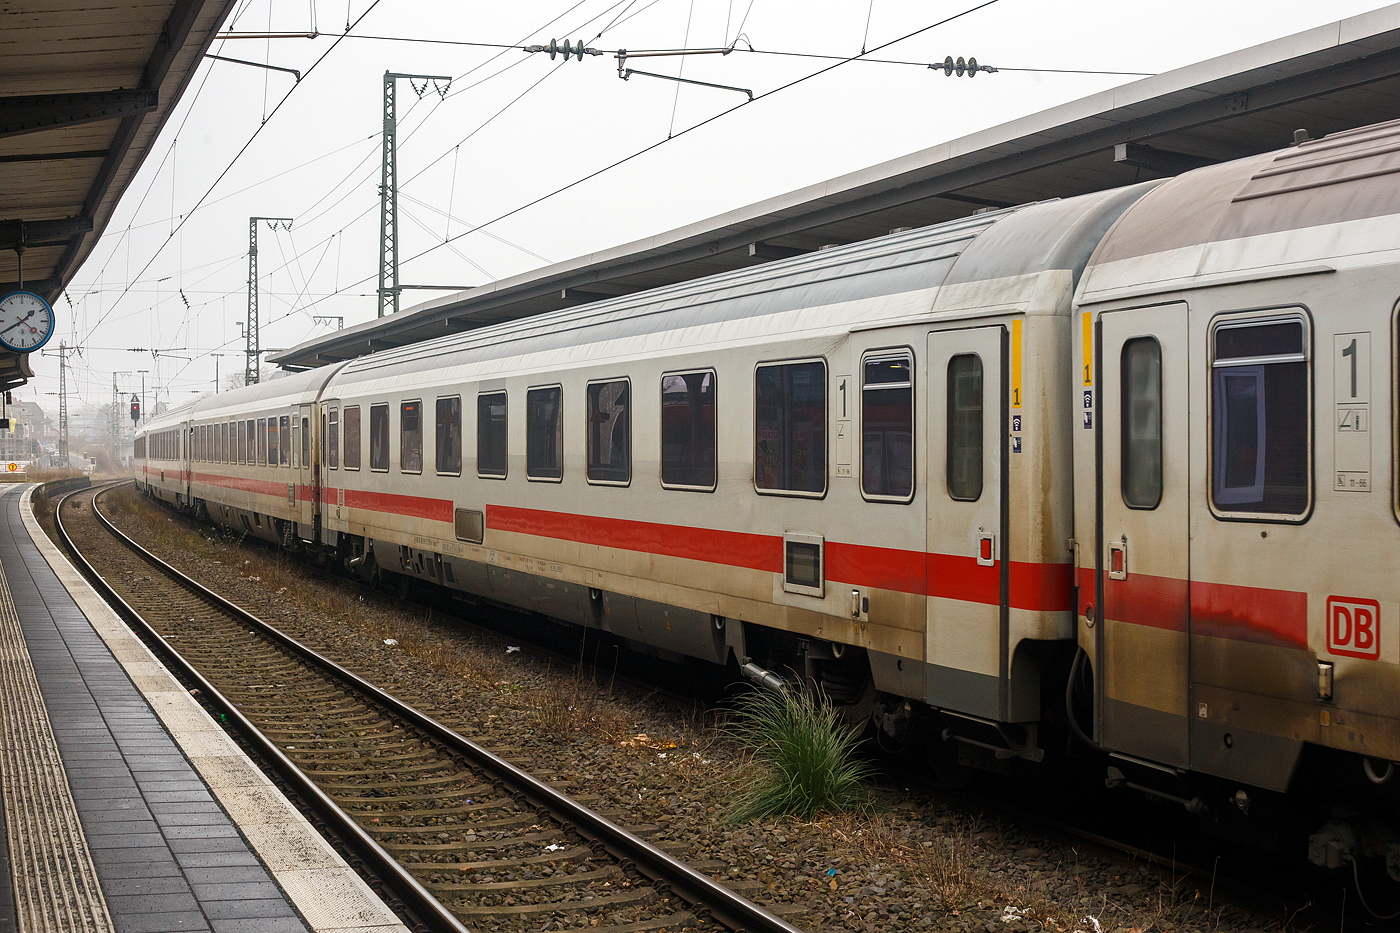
(624,73)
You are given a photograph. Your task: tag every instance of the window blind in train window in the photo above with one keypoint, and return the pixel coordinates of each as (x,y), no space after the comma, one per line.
(350,427)
(1141,443)
(379,437)
(411,437)
(609,432)
(1260,459)
(332,439)
(887,427)
(965,427)
(447,441)
(285,439)
(790,427)
(259,441)
(688,459)
(544,433)
(491,458)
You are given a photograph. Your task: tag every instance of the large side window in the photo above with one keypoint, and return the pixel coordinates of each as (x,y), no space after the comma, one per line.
(272,446)
(332,440)
(688,459)
(965,427)
(1260,461)
(544,433)
(411,437)
(447,446)
(285,439)
(887,426)
(259,441)
(790,427)
(491,437)
(610,432)
(247,446)
(1141,454)
(350,427)
(379,437)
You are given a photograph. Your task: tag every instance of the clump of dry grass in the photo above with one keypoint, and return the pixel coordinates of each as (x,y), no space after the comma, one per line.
(563,708)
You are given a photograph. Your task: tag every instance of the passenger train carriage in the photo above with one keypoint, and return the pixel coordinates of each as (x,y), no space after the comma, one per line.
(1122,464)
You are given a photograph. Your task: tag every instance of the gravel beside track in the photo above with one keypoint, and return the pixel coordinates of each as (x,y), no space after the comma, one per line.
(658,767)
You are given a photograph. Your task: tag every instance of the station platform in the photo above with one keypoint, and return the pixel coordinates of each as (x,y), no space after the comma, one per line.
(125,807)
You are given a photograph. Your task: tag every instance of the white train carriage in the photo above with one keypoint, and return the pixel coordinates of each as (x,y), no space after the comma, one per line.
(894,467)
(1239,560)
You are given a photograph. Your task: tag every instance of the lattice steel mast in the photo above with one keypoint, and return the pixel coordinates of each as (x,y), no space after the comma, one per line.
(63,404)
(250,335)
(389,187)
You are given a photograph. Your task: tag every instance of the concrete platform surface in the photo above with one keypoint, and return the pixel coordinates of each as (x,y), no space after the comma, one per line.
(125,806)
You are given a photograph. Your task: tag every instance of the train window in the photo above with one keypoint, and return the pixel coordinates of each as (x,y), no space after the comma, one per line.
(286,439)
(1260,461)
(350,427)
(411,437)
(447,442)
(790,427)
(887,426)
(491,437)
(544,434)
(1141,454)
(688,448)
(272,445)
(802,564)
(965,427)
(379,437)
(305,441)
(610,432)
(259,441)
(248,443)
(333,439)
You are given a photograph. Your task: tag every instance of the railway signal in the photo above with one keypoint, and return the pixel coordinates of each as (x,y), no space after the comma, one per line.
(135,408)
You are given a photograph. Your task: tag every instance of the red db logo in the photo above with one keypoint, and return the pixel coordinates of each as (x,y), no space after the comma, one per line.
(1354,627)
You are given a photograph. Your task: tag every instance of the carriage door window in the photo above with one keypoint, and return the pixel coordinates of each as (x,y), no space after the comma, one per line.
(609,432)
(491,434)
(411,437)
(448,439)
(305,441)
(1142,423)
(688,431)
(544,434)
(331,441)
(887,427)
(1260,460)
(378,437)
(965,427)
(350,424)
(790,428)
(285,439)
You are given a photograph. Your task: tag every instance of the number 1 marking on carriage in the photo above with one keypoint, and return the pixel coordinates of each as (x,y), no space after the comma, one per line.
(1351,423)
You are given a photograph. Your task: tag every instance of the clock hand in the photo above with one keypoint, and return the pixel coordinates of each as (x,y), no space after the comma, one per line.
(18,323)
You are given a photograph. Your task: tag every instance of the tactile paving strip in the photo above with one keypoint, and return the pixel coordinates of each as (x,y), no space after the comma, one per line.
(55,883)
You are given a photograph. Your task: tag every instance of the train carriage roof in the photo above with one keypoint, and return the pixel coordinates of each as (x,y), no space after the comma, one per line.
(1004,244)
(1196,224)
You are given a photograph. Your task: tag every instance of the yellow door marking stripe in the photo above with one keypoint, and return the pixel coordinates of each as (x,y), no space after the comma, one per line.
(1016,363)
(1088,349)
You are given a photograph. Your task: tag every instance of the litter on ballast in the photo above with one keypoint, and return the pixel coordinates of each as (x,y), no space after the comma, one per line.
(512,649)
(391,642)
(553,847)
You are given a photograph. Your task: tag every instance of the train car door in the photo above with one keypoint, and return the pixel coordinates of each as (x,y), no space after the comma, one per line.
(308,493)
(967,618)
(332,486)
(1144,568)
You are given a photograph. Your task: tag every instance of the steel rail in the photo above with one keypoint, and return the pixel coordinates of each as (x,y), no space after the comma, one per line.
(702,892)
(419,900)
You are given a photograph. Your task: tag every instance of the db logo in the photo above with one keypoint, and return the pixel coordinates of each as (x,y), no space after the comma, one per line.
(1354,627)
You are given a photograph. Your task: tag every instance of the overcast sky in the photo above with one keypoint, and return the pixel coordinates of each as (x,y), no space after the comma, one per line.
(513,127)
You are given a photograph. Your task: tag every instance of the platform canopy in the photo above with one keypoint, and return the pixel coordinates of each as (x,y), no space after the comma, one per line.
(85,87)
(1334,77)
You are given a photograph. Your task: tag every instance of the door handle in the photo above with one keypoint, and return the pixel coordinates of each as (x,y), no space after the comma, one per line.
(1118,560)
(986,548)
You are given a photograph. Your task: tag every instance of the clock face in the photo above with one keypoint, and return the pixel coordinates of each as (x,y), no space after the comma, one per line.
(26,321)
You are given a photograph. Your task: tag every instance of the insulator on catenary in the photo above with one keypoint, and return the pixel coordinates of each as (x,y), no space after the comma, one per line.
(963,67)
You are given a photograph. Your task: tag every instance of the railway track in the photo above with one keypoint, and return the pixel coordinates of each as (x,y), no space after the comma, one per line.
(466,839)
